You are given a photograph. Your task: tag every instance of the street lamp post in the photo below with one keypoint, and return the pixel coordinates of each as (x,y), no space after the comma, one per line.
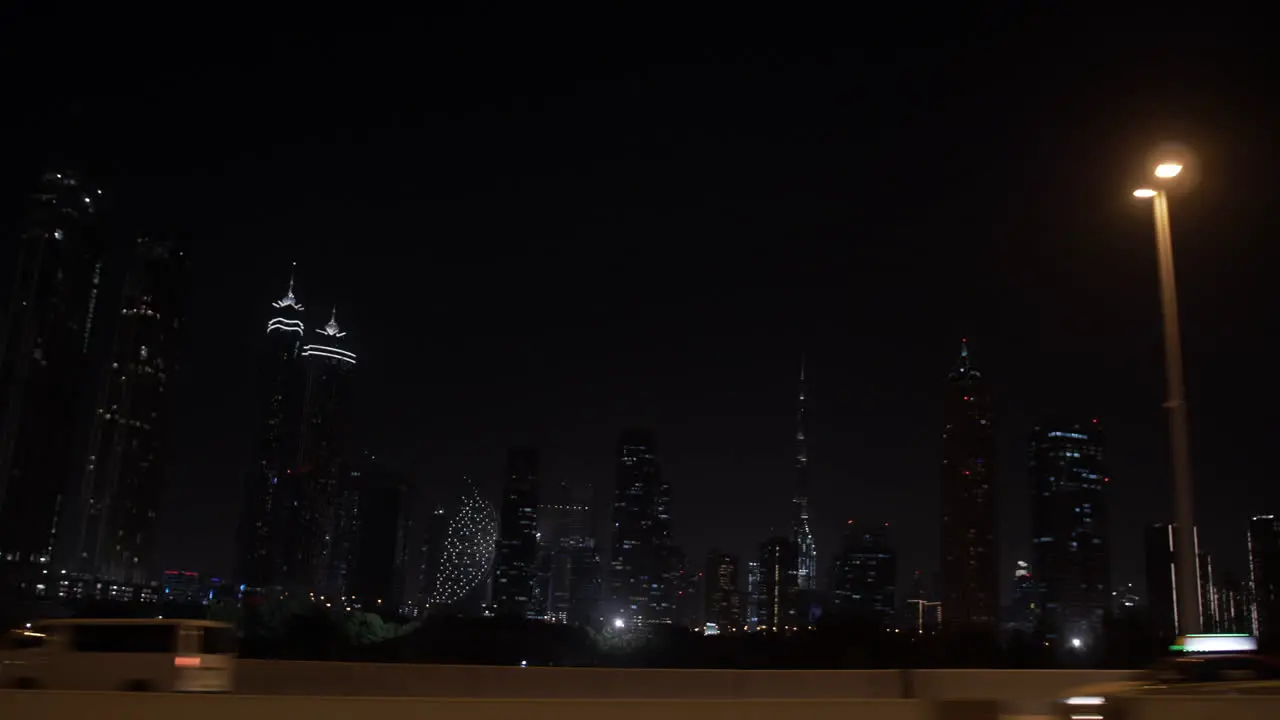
(1186,579)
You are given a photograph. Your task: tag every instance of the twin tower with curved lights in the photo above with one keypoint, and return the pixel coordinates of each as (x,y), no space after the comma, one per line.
(303,445)
(290,321)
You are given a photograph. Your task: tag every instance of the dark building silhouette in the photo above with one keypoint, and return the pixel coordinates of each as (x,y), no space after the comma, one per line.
(1025,609)
(434,533)
(970,562)
(1162,599)
(568,565)
(777,601)
(313,487)
(865,578)
(515,590)
(691,592)
(1234,612)
(44,345)
(721,601)
(371,531)
(120,483)
(282,386)
(1069,519)
(643,569)
(585,572)
(1264,577)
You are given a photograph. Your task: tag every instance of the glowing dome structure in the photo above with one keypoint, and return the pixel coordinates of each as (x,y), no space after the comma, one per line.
(469,548)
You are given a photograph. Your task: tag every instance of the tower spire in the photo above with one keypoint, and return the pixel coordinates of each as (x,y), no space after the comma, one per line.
(801,533)
(964,367)
(332,328)
(802,456)
(289,299)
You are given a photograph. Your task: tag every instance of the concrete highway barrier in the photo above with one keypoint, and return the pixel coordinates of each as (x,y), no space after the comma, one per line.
(23,704)
(1020,692)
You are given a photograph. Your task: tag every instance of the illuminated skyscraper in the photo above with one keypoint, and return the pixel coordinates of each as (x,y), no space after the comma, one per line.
(1264,576)
(777,594)
(515,582)
(721,601)
(753,595)
(44,341)
(970,562)
(282,386)
(1069,530)
(326,430)
(287,522)
(643,569)
(1162,583)
(122,478)
(806,552)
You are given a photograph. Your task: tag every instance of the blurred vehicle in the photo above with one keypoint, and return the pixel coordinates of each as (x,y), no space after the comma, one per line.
(120,654)
(1209,665)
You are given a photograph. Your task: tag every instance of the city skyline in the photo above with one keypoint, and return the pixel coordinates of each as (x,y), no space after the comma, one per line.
(515,286)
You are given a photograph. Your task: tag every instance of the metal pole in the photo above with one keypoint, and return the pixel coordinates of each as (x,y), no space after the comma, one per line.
(1187,576)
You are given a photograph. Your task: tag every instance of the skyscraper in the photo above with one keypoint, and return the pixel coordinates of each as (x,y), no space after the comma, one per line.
(1264,576)
(643,568)
(866,576)
(314,483)
(1162,580)
(1025,610)
(434,534)
(371,529)
(122,478)
(566,557)
(291,493)
(806,570)
(970,562)
(777,595)
(44,342)
(282,386)
(1069,530)
(721,604)
(514,586)
(753,595)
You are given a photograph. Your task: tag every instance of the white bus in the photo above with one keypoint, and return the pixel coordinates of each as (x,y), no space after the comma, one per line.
(125,654)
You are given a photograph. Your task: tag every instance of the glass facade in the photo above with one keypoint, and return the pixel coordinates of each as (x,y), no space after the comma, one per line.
(1071,552)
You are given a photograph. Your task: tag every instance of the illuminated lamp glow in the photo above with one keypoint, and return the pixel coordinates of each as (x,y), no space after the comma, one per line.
(1216,643)
(186,662)
(1168,170)
(1144,193)
(1086,700)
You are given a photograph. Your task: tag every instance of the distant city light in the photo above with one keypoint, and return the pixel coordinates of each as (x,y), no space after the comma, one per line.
(617,622)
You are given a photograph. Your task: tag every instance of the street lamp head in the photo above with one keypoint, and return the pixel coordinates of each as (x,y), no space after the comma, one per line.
(1168,170)
(1144,193)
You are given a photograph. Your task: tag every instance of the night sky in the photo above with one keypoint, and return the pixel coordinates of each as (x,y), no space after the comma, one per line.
(540,229)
